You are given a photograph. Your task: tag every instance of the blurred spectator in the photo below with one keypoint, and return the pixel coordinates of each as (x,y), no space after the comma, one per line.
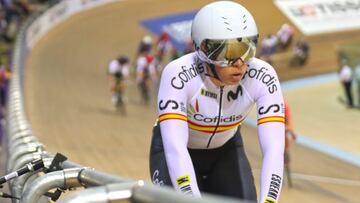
(268,48)
(357,81)
(13,12)
(300,53)
(24,6)
(346,80)
(285,36)
(289,135)
(5,75)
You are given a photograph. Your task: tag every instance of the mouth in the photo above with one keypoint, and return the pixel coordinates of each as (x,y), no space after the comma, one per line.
(237,76)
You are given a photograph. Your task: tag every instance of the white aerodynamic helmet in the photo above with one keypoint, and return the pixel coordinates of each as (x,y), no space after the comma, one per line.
(224,31)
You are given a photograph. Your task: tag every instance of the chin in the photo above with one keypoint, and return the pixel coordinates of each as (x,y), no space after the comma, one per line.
(233,82)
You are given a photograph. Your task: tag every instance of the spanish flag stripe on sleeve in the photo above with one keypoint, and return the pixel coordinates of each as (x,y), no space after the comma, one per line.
(211,128)
(280,119)
(168,116)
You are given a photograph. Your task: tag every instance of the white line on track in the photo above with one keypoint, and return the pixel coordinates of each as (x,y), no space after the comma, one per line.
(324,179)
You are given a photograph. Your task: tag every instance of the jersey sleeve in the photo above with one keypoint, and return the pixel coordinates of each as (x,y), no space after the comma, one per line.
(140,64)
(271,131)
(172,102)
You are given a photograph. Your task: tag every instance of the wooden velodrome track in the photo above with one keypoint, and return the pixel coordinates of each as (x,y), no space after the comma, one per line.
(69,108)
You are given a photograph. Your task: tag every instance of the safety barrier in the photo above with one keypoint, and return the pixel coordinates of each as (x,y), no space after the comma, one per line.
(33,172)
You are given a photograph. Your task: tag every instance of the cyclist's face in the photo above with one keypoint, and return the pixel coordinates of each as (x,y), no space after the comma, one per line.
(232,74)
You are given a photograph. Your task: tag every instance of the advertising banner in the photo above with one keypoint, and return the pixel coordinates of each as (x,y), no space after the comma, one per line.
(57,14)
(322,16)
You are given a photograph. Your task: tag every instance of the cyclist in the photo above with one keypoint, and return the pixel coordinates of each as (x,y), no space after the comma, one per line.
(163,46)
(285,36)
(145,72)
(203,99)
(118,72)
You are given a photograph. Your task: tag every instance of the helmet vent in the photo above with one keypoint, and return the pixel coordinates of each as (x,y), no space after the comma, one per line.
(227,23)
(244,17)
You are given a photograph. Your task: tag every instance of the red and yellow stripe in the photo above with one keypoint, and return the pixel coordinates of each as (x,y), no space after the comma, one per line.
(175,116)
(280,119)
(196,126)
(211,128)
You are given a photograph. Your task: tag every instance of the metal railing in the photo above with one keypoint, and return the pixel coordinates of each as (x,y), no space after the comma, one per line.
(23,147)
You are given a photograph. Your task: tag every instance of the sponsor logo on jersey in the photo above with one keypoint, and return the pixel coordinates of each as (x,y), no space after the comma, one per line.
(214,120)
(183,182)
(234,95)
(156,179)
(274,108)
(186,75)
(173,103)
(194,113)
(206,93)
(269,200)
(280,119)
(263,76)
(226,123)
(274,187)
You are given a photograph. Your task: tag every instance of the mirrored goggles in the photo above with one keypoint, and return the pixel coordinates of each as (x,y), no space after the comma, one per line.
(226,52)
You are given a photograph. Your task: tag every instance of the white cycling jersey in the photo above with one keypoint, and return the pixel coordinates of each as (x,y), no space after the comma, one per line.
(195,113)
(142,64)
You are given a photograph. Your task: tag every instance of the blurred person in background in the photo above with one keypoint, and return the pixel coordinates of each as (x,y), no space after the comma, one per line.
(268,48)
(5,76)
(300,53)
(285,36)
(145,46)
(289,136)
(163,46)
(145,73)
(345,76)
(204,97)
(118,72)
(357,81)
(15,11)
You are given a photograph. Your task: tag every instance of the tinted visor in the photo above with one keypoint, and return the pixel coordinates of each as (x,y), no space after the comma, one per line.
(226,52)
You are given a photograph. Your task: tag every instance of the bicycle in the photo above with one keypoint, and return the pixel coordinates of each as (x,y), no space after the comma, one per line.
(119,96)
(118,72)
(289,135)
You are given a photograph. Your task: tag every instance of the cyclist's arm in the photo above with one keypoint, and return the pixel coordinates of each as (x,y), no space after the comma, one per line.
(271,130)
(174,131)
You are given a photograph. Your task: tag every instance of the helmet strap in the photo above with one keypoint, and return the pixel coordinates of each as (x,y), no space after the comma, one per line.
(211,66)
(213,71)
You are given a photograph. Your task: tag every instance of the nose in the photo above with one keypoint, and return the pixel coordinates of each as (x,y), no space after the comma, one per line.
(238,63)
